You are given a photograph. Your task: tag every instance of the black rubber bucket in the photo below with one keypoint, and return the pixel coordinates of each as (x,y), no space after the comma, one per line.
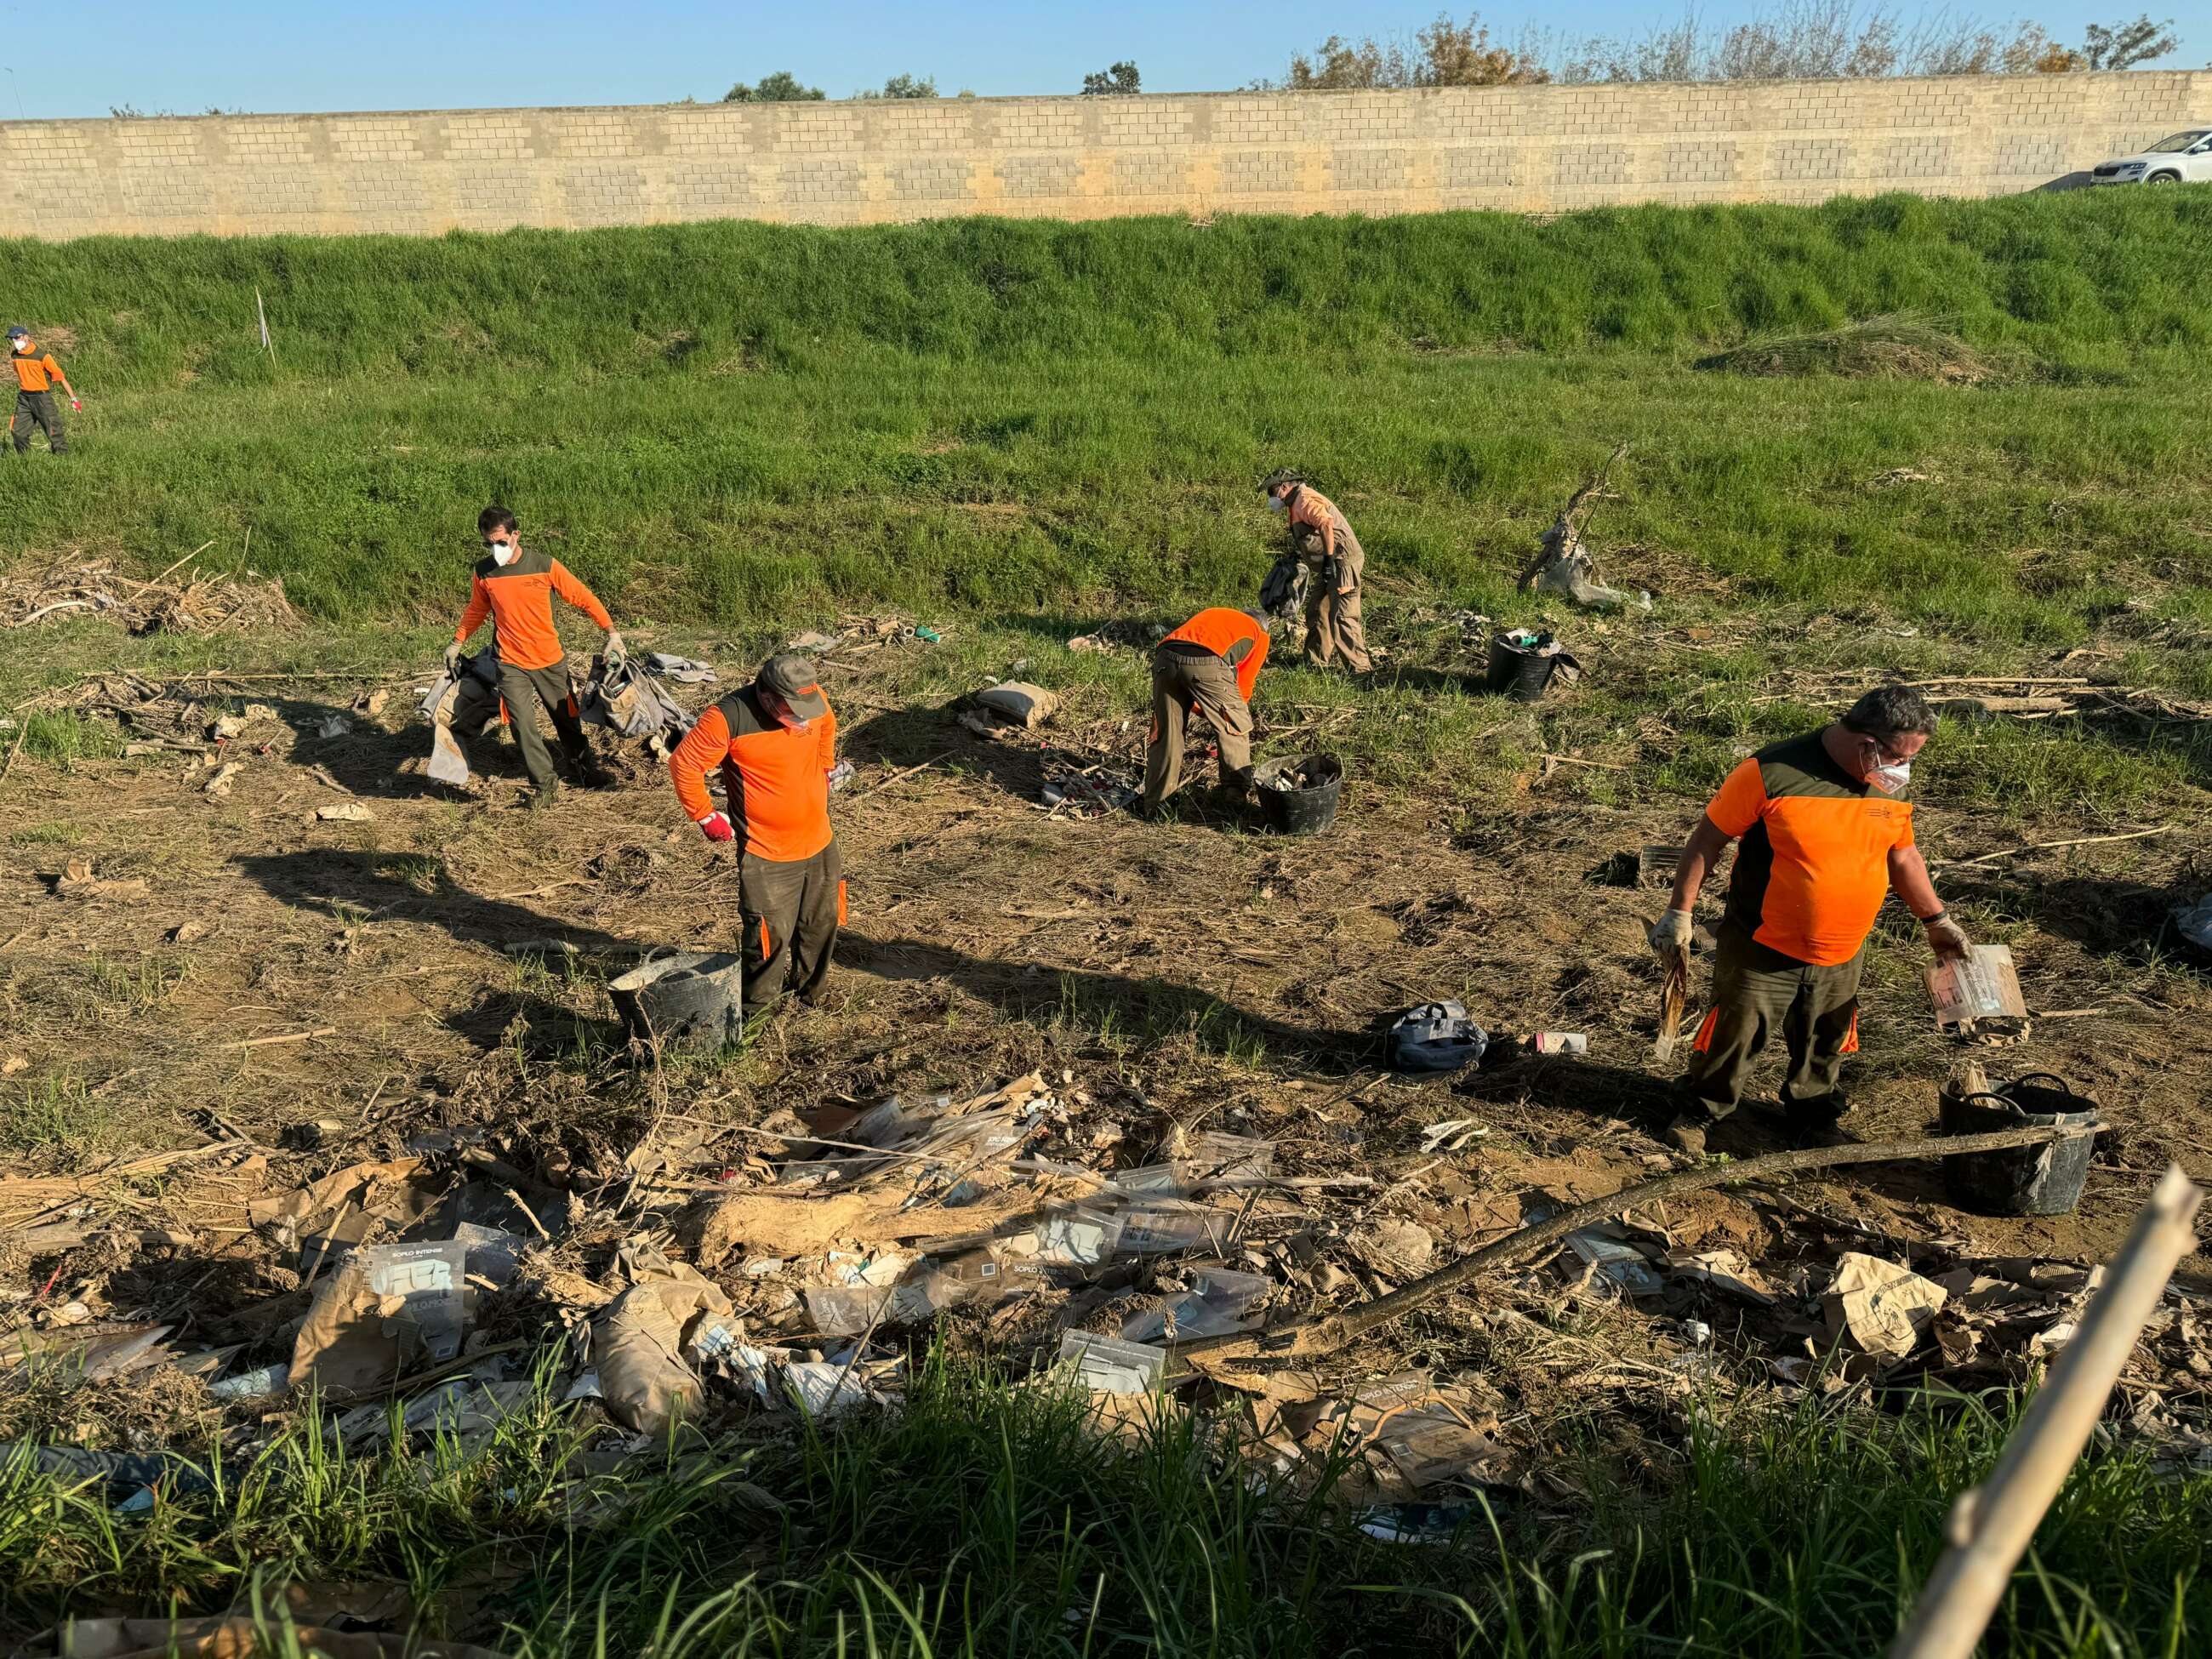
(1306,811)
(2045,1180)
(1519,673)
(689,1000)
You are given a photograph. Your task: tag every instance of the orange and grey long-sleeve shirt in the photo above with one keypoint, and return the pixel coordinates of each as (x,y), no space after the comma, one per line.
(518,597)
(1310,510)
(777,778)
(35,373)
(1815,867)
(1231,636)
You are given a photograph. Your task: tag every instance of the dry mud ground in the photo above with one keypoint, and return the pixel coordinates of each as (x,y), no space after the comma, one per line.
(1190,975)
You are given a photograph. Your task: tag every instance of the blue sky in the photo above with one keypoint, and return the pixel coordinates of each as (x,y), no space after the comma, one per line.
(73,57)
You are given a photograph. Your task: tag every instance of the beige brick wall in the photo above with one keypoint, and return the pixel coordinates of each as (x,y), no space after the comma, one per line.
(1521,148)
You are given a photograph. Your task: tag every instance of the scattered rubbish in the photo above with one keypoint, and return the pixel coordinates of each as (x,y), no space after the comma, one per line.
(1216,1303)
(2194,922)
(623,697)
(813,639)
(389,1308)
(1396,1249)
(1886,1309)
(2045,1180)
(1524,663)
(1978,995)
(1563,564)
(639,1342)
(1722,1269)
(1417,1523)
(1026,705)
(1615,1261)
(1436,1037)
(1283,589)
(1299,798)
(841,774)
(689,1000)
(333,725)
(1559,1042)
(685,670)
(1084,792)
(121,1473)
(1109,1365)
(351,811)
(196,604)
(826,1389)
(79,880)
(264,1383)
(1655,864)
(219,784)
(927,636)
(1452,1135)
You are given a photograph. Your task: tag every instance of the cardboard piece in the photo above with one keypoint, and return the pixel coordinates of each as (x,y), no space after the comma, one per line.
(390,1310)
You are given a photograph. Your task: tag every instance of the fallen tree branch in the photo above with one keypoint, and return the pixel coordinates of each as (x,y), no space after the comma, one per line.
(887,782)
(1326,1333)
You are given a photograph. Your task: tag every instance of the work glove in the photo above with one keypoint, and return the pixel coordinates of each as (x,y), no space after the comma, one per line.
(73,403)
(1670,934)
(453,658)
(715,826)
(1945,937)
(839,776)
(612,650)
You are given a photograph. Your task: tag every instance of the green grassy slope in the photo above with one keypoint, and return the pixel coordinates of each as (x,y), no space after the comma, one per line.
(723,420)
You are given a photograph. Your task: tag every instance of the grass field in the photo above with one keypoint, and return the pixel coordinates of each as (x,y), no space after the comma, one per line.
(1021,432)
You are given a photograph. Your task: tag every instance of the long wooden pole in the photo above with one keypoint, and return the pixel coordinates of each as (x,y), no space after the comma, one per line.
(1991,1525)
(1326,1333)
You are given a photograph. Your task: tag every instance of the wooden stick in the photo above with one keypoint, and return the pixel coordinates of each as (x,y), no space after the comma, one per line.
(1991,1525)
(1326,1333)
(2046,845)
(1569,760)
(194,554)
(290,1036)
(896,776)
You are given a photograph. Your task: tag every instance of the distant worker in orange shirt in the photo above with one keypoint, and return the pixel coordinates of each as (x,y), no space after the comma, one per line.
(1209,664)
(1321,538)
(1827,835)
(515,589)
(35,379)
(775,744)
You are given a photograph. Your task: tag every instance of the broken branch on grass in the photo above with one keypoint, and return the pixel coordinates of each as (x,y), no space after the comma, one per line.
(2047,846)
(896,776)
(288,1037)
(1326,1333)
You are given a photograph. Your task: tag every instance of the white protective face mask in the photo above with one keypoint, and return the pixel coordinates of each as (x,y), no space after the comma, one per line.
(1889,776)
(1277,504)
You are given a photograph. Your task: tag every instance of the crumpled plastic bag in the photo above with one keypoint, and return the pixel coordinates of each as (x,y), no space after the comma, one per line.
(623,698)
(1283,589)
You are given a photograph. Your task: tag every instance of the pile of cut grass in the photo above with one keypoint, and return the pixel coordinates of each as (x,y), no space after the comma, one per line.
(1895,346)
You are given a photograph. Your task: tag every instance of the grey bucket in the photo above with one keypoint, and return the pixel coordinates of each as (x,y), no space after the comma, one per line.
(1306,811)
(2045,1180)
(687,1000)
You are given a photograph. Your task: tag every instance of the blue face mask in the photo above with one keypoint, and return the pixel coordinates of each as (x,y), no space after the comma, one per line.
(1277,504)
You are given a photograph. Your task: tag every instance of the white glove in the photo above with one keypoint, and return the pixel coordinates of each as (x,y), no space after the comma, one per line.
(1670,934)
(453,658)
(612,650)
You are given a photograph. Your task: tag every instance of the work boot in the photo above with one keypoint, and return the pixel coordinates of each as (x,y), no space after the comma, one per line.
(1687,1134)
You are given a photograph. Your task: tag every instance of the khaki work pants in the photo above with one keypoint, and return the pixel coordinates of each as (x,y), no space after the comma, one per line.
(1756,992)
(1333,629)
(523,689)
(790,913)
(38,409)
(1190,678)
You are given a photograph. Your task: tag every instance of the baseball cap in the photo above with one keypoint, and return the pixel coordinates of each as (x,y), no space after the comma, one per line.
(791,678)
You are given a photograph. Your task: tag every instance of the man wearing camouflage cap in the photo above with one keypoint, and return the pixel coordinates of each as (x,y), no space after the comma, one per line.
(774,743)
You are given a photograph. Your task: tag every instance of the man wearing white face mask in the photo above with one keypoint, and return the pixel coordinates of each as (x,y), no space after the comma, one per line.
(1827,835)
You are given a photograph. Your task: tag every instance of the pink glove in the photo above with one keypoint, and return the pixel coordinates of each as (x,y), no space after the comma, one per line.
(716,826)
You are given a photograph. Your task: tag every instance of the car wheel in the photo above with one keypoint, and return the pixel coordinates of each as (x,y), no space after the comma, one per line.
(2163,179)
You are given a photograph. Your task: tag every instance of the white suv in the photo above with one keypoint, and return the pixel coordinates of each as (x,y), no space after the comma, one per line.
(2183,156)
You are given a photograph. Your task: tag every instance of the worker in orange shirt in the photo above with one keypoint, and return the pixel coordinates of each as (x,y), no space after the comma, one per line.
(775,744)
(35,380)
(1321,538)
(1827,835)
(1209,664)
(515,589)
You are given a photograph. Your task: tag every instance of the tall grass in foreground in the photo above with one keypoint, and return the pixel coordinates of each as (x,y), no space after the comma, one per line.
(990,1520)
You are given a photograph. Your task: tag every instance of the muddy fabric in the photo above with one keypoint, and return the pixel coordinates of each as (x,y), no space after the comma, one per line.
(1190,678)
(1757,991)
(524,688)
(790,915)
(38,409)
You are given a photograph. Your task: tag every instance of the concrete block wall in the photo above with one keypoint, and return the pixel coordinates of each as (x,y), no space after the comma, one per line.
(1518,149)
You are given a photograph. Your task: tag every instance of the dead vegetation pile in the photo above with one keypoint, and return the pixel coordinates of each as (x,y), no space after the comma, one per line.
(196,604)
(1895,346)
